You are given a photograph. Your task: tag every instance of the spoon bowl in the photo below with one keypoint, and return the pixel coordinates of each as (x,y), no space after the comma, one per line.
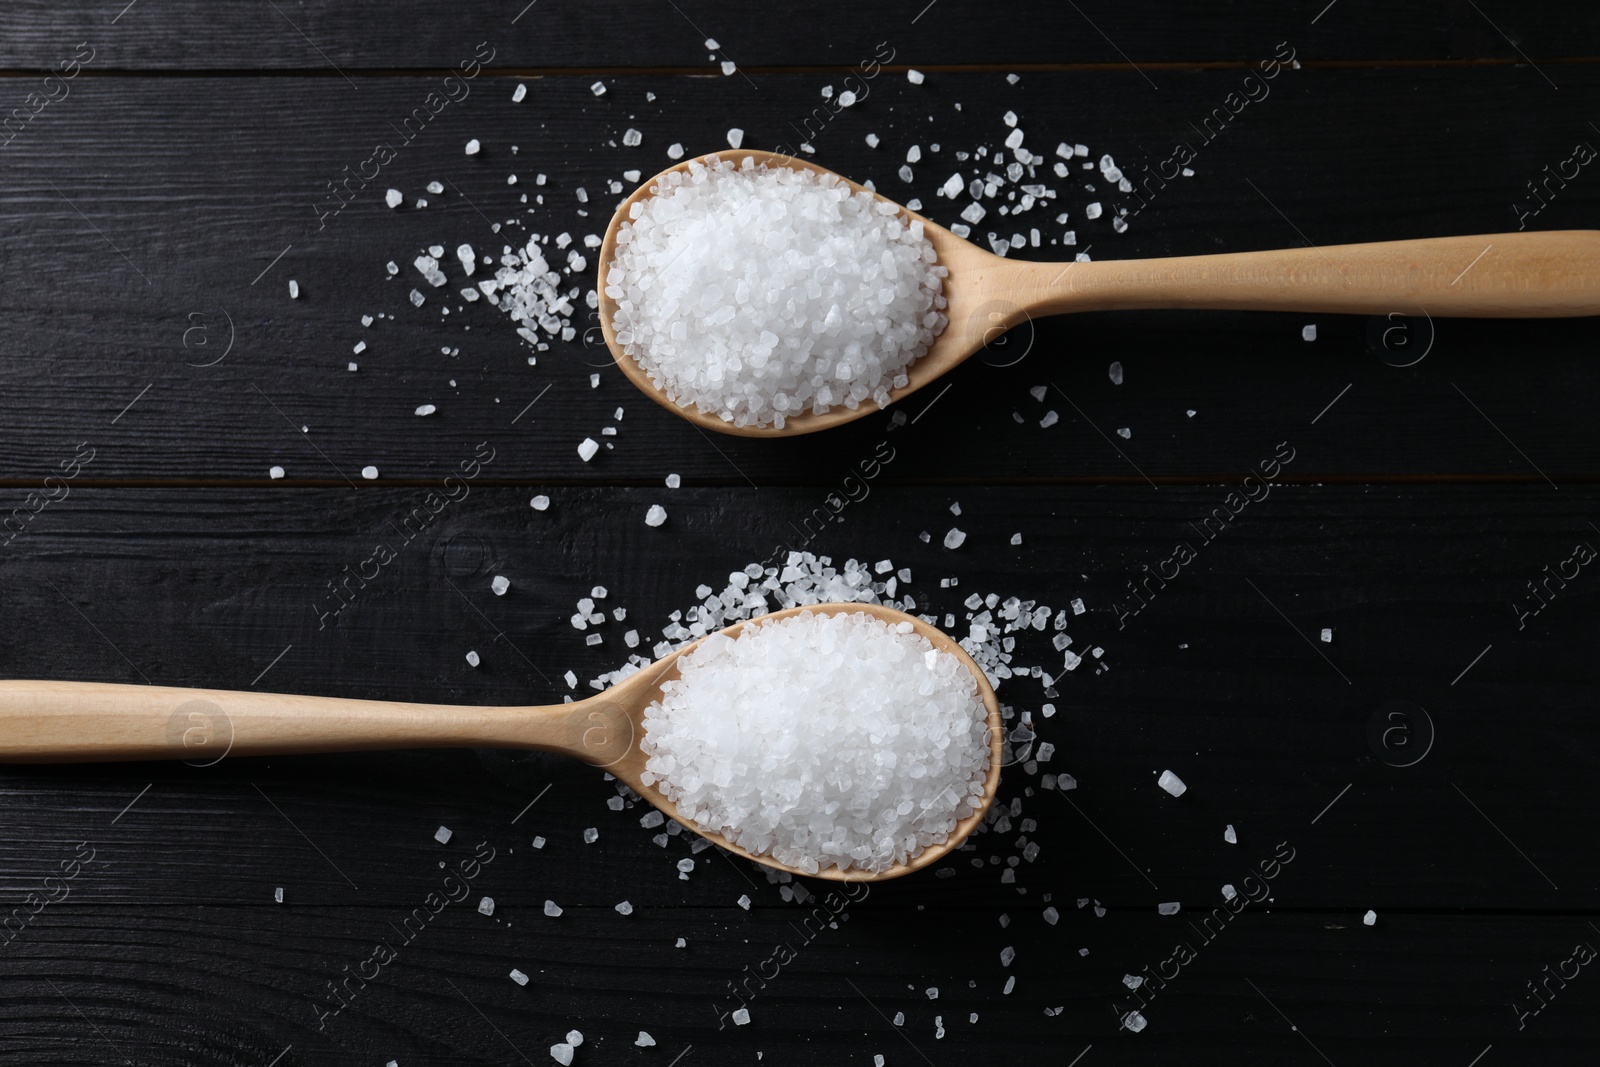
(1510,275)
(59,722)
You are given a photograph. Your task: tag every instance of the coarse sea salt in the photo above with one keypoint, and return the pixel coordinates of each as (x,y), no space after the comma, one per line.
(821,740)
(758,293)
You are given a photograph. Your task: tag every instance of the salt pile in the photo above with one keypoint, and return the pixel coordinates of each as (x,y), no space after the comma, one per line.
(822,741)
(758,293)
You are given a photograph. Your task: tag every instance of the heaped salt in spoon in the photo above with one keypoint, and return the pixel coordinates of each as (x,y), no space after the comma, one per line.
(844,741)
(761,295)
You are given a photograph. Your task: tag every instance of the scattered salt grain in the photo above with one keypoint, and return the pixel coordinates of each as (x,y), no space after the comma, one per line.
(442,835)
(915,77)
(500,584)
(1049,420)
(1115,373)
(472,147)
(1171,783)
(591,835)
(561,1052)
(1134,1022)
(741,1016)
(426,409)
(644,1040)
(655,516)
(294,289)
(1229,836)
(518,977)
(625,908)
(954,538)
(1327,635)
(598,88)
(1369,919)
(518,93)
(369,473)
(744,901)
(277,895)
(472,658)
(394,198)
(735,137)
(673,481)
(1169,908)
(552,909)
(539,503)
(486,906)
(1308,332)
(587,449)
(275,472)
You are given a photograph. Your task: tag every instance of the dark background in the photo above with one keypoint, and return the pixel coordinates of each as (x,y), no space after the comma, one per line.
(1440,467)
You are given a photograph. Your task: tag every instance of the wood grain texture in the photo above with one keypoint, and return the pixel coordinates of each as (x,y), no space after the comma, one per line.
(366,34)
(201,183)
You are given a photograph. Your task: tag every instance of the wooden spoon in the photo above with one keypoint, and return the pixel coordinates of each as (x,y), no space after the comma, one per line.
(60,722)
(1553,274)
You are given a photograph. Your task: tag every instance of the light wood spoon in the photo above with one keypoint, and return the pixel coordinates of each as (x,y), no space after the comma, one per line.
(1554,274)
(62,722)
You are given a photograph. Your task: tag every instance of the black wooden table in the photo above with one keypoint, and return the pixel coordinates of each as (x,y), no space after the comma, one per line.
(168,168)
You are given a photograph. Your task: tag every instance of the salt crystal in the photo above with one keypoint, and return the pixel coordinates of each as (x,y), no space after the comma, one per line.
(846,99)
(598,88)
(741,1016)
(591,835)
(1327,635)
(294,289)
(1134,1022)
(1168,908)
(1052,916)
(277,895)
(1124,433)
(675,151)
(442,835)
(275,472)
(1007,954)
(369,473)
(644,1040)
(574,1038)
(486,906)
(954,538)
(426,409)
(1229,836)
(518,977)
(1116,373)
(1308,332)
(1092,211)
(552,909)
(561,1052)
(744,901)
(538,842)
(518,93)
(673,481)
(500,584)
(539,503)
(632,138)
(735,137)
(1369,919)
(393,198)
(587,449)
(932,992)
(625,908)
(1171,783)
(472,658)
(728,69)
(915,77)
(655,516)
(1049,420)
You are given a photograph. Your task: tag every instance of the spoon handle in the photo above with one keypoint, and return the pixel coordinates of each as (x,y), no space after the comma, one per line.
(1553,274)
(63,722)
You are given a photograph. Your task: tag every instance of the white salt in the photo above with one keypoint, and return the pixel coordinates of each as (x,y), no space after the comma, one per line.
(1169,908)
(644,1040)
(294,289)
(518,93)
(1308,332)
(741,1016)
(915,77)
(673,481)
(500,584)
(369,473)
(1229,836)
(539,503)
(472,658)
(1115,373)
(1171,783)
(561,1051)
(426,409)
(822,741)
(954,538)
(655,516)
(393,198)
(552,909)
(697,274)
(1369,919)
(518,977)
(275,472)
(735,137)
(472,147)
(625,908)
(598,88)
(442,835)
(486,906)
(1327,635)
(587,449)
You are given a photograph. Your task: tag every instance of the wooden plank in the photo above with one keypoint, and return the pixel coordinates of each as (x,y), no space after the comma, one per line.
(610,33)
(172,208)
(173,984)
(1221,677)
